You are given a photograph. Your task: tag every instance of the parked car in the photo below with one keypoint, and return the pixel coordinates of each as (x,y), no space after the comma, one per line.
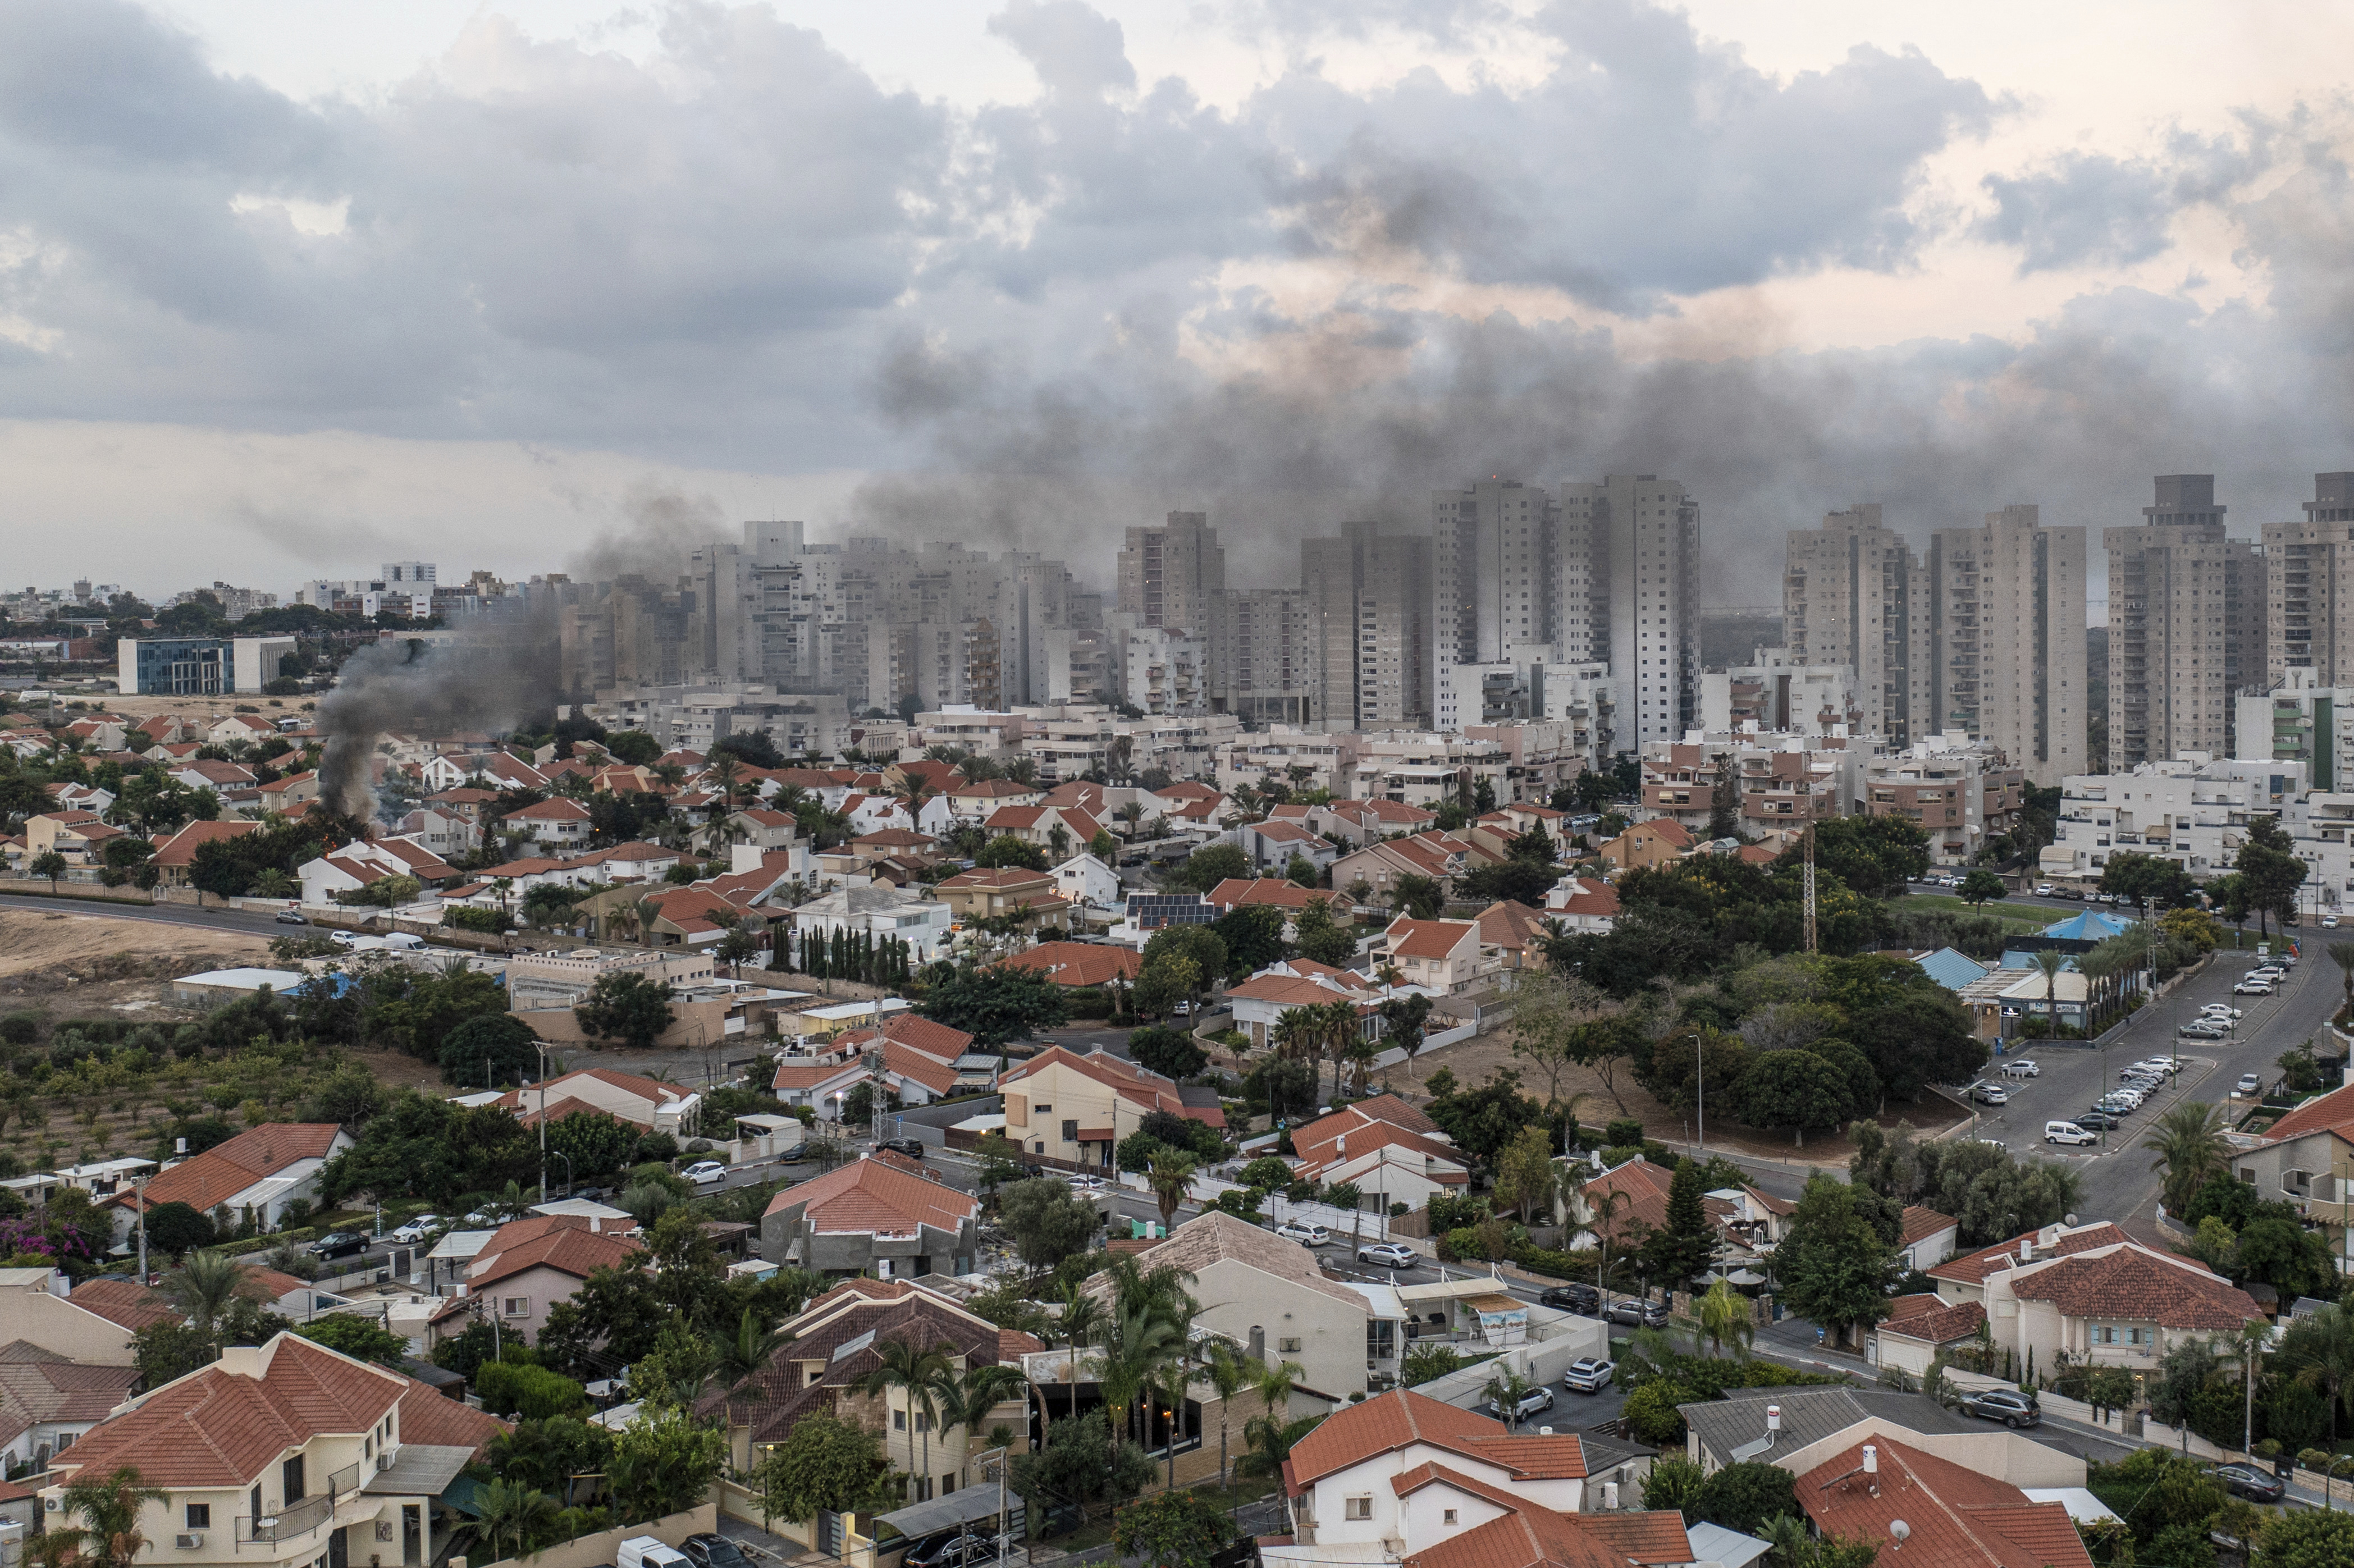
(2043,890)
(953,1551)
(2249,1083)
(343,939)
(706,1172)
(913,1148)
(340,1244)
(2008,1406)
(1636,1313)
(2220,1009)
(2067,1133)
(289,918)
(417,1229)
(2248,1482)
(1588,1374)
(2253,988)
(2100,1121)
(1535,1402)
(2201,1032)
(1082,1183)
(1388,1255)
(1303,1232)
(2330,922)
(2022,1068)
(2165,1066)
(1991,1095)
(1580,1299)
(714,1551)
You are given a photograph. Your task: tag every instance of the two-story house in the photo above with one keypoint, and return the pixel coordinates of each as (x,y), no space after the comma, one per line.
(2305,1159)
(285,1453)
(1391,1151)
(1402,1472)
(555,824)
(528,1266)
(1383,864)
(1445,958)
(883,1214)
(1076,1107)
(47,1401)
(1261,1002)
(1006,891)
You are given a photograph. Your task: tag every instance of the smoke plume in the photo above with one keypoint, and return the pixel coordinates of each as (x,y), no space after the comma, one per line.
(430,688)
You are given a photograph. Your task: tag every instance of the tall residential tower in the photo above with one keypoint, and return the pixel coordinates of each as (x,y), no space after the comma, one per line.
(2006,605)
(2186,626)
(1853,594)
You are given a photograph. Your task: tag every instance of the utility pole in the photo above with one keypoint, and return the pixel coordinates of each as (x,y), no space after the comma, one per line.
(140,1190)
(1809,883)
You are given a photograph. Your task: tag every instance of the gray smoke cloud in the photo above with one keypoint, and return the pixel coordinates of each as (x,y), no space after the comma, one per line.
(491,683)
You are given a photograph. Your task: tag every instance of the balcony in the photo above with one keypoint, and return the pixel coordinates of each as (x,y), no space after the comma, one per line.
(292,1521)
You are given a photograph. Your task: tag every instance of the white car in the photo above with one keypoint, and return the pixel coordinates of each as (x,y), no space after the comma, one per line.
(2330,921)
(417,1229)
(2043,890)
(2249,1083)
(1304,1234)
(704,1172)
(1991,1095)
(2068,1133)
(1082,1183)
(342,938)
(2253,988)
(2024,1068)
(2220,1009)
(1389,1255)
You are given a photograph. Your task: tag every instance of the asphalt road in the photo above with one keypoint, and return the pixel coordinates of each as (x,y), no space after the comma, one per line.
(160,914)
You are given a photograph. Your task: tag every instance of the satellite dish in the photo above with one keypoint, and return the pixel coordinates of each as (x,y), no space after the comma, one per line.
(2071,1219)
(1899,1532)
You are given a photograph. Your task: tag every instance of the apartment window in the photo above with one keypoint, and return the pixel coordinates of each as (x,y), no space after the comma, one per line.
(198,1516)
(1041,1107)
(1290,1346)
(290,1478)
(898,1420)
(1071,1132)
(515,1306)
(1358,1508)
(255,1508)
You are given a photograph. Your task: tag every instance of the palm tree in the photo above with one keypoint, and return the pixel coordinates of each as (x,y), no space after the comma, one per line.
(916,1375)
(1295,1033)
(1171,1178)
(1271,1441)
(1602,1219)
(1229,1371)
(1341,1031)
(2318,1351)
(202,1288)
(2099,967)
(725,772)
(1274,1385)
(967,1398)
(512,1511)
(112,1537)
(746,1353)
(1082,1318)
(2049,962)
(1139,1339)
(2191,1147)
(1724,1317)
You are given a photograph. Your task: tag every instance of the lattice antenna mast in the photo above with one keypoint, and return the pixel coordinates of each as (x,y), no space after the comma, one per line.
(1809,885)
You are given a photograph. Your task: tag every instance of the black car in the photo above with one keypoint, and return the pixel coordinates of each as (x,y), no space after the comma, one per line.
(2011,1408)
(913,1148)
(339,1244)
(1581,1299)
(2100,1121)
(2247,1481)
(714,1551)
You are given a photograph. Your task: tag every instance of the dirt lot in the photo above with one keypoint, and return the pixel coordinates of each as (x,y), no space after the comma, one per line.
(1475,1060)
(72,965)
(187,707)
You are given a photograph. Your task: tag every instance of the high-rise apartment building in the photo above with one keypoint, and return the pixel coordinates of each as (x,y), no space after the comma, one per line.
(1493,570)
(1854,594)
(1639,568)
(1267,662)
(1369,600)
(2186,626)
(2006,605)
(2309,587)
(1171,576)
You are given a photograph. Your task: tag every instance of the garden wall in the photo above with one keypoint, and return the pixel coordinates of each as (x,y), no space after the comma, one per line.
(595,1551)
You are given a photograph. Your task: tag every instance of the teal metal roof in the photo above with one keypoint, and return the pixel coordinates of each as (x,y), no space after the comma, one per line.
(1951,968)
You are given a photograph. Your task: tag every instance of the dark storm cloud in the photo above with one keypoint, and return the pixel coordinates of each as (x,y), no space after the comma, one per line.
(748,254)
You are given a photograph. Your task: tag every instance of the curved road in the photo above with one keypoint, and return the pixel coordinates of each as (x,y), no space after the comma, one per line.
(161,913)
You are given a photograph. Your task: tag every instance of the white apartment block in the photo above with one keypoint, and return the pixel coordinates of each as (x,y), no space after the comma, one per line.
(1166,672)
(1268,669)
(2301,720)
(2309,587)
(1854,594)
(1296,758)
(1422,768)
(2007,649)
(1961,791)
(1640,567)
(1779,691)
(1785,779)
(2186,627)
(2194,810)
(1172,576)
(1493,570)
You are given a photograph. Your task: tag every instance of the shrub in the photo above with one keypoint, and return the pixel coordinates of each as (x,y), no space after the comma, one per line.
(1265,1173)
(534,1393)
(1619,1153)
(1651,1416)
(1623,1129)
(2313,1459)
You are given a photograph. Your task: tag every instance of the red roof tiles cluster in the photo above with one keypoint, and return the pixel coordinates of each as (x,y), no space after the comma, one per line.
(1958,1518)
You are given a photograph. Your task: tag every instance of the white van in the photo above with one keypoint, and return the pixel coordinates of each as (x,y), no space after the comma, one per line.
(2069,1133)
(645,1552)
(404,942)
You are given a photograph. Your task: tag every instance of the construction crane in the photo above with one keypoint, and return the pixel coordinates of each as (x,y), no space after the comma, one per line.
(1809,885)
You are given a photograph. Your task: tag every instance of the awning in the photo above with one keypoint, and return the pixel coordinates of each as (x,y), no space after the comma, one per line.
(1095,1135)
(966,1505)
(419,1470)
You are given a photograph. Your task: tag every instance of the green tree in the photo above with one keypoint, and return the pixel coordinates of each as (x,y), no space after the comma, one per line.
(912,1371)
(626,1007)
(1679,1252)
(2302,1538)
(1253,936)
(176,1229)
(1420,898)
(430,1149)
(108,1535)
(1168,1052)
(1211,864)
(1794,1089)
(203,1287)
(1725,1319)
(1181,1530)
(824,1462)
(665,1463)
(2269,871)
(487,1050)
(1322,938)
(1742,1497)
(1525,1171)
(1980,886)
(532,1392)
(1007,853)
(1835,1266)
(2151,879)
(1046,1222)
(362,1338)
(48,863)
(995,1004)
(1163,983)
(2188,1140)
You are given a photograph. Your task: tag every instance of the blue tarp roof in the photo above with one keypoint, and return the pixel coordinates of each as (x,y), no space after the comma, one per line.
(2092,926)
(334,981)
(1951,968)
(2016,959)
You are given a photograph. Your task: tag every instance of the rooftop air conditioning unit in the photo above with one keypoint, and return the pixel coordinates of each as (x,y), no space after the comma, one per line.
(187,1543)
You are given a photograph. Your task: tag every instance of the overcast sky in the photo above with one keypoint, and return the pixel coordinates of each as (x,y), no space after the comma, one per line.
(294,287)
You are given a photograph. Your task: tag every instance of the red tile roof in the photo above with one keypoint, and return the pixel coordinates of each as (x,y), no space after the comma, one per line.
(1921,1223)
(1247,891)
(1971,1268)
(2131,1284)
(1391,1421)
(437,1420)
(215,1427)
(1541,1538)
(873,1197)
(1078,963)
(123,1301)
(180,849)
(540,1242)
(2324,1113)
(204,1181)
(1957,1516)
(1124,1078)
(1409,938)
(1939,1325)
